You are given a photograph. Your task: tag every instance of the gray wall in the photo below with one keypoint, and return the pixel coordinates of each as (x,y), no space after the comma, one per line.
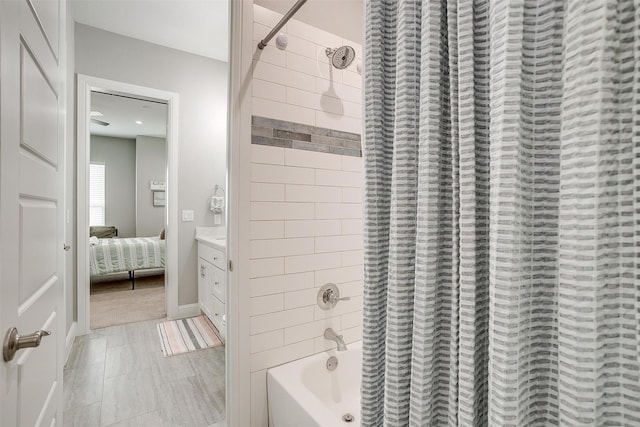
(119,158)
(202,87)
(151,165)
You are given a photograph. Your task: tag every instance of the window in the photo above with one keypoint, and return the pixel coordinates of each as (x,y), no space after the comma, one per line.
(96,194)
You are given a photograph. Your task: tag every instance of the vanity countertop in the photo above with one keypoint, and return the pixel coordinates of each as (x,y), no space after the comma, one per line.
(212,236)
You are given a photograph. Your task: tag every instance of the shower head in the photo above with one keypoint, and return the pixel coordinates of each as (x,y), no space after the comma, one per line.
(341,57)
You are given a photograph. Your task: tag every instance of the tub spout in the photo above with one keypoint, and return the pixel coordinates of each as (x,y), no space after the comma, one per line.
(331,335)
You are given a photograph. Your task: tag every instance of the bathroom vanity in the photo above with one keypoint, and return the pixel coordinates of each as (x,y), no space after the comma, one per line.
(212,277)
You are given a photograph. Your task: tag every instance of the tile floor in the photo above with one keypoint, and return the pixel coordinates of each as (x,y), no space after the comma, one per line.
(117,376)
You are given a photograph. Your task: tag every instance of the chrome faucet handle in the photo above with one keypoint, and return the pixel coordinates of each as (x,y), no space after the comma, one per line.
(329,295)
(333,297)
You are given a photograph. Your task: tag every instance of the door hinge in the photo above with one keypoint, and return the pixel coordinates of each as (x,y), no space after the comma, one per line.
(230,265)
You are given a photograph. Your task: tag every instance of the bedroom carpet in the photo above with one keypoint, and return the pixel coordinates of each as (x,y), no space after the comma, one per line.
(114,303)
(186,335)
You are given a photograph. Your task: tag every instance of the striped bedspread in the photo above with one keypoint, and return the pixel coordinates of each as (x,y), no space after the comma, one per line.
(118,255)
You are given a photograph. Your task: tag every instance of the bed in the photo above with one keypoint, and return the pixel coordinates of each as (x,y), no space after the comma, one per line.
(126,255)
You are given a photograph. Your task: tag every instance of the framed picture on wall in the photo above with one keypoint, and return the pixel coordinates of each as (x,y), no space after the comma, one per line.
(159,198)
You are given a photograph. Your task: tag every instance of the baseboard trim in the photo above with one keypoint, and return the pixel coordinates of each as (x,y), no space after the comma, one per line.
(188,310)
(71,337)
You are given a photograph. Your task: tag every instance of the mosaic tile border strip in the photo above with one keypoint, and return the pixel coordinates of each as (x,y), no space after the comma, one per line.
(281,133)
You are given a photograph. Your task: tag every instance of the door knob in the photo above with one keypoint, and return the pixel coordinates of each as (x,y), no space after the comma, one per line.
(14,342)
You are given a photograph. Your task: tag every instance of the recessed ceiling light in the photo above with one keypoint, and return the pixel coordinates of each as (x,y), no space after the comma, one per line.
(138,122)
(96,114)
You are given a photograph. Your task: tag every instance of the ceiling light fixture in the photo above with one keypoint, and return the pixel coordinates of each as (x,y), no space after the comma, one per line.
(99,122)
(138,122)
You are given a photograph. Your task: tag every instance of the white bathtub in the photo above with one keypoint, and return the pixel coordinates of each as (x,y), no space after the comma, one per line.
(305,394)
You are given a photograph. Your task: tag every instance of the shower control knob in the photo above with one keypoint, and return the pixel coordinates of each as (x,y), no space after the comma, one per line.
(329,295)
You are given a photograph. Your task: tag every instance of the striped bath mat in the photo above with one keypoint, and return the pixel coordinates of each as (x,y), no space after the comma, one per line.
(185,335)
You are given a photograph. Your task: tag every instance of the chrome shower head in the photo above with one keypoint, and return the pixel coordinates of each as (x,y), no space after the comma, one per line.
(341,57)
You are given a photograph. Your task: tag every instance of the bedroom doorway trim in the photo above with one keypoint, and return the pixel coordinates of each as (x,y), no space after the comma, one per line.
(85,85)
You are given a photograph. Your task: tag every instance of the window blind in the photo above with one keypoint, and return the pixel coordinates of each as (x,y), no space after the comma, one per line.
(96,194)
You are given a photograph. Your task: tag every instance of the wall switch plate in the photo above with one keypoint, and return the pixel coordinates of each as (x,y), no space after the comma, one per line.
(187,216)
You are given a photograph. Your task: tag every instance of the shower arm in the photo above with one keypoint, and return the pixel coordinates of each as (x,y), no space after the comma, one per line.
(279,25)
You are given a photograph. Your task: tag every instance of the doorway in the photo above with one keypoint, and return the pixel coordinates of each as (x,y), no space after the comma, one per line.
(127,218)
(142,246)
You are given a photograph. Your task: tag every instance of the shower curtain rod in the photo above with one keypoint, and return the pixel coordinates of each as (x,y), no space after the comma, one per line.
(285,18)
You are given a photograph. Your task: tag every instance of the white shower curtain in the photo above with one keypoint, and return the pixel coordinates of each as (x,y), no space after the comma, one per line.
(502,231)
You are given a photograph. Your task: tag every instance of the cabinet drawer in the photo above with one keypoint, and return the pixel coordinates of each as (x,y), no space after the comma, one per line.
(219,283)
(214,256)
(218,317)
(205,295)
(214,281)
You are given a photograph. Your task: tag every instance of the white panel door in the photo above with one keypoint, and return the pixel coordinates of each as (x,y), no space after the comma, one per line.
(31,208)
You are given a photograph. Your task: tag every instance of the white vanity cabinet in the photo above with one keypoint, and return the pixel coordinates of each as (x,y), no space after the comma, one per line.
(212,282)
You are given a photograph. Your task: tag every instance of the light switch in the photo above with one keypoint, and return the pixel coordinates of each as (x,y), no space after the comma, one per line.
(187,216)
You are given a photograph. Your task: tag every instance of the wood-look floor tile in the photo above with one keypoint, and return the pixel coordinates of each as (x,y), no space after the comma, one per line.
(209,361)
(131,333)
(210,364)
(83,416)
(125,368)
(142,330)
(87,352)
(96,333)
(83,385)
(218,402)
(125,359)
(150,419)
(171,368)
(127,396)
(185,402)
(134,333)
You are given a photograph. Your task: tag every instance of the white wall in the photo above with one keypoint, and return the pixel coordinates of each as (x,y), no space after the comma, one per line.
(306,212)
(151,165)
(70,274)
(298,84)
(119,158)
(202,87)
(342,17)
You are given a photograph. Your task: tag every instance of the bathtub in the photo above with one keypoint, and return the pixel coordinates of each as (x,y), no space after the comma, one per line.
(304,393)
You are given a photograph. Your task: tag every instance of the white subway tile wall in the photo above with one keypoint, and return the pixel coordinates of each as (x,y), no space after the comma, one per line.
(298,84)
(258,396)
(306,206)
(303,236)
